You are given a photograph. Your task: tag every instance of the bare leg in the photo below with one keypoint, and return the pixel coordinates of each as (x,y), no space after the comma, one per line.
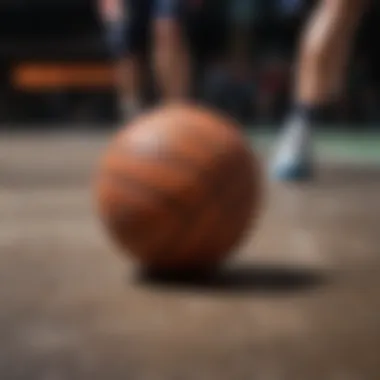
(324,54)
(325,49)
(170,55)
(122,32)
(127,68)
(128,85)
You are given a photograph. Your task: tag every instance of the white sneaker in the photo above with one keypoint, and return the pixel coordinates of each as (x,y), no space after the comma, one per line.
(293,159)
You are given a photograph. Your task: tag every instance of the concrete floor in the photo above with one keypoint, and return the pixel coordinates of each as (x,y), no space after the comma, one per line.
(299,302)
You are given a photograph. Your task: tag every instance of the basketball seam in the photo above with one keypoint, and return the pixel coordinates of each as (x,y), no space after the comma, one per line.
(223,197)
(175,157)
(216,192)
(124,179)
(214,186)
(185,216)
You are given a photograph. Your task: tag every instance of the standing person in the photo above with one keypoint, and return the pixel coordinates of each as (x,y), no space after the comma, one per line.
(320,75)
(129,26)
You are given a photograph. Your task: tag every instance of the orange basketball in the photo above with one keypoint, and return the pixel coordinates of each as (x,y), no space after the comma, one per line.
(178,188)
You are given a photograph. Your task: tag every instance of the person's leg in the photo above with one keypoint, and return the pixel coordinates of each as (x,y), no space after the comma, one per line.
(124,35)
(128,78)
(324,54)
(170,50)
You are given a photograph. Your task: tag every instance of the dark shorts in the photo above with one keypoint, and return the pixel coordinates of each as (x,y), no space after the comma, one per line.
(131,34)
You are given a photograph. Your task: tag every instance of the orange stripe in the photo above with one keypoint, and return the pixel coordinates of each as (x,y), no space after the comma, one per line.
(41,76)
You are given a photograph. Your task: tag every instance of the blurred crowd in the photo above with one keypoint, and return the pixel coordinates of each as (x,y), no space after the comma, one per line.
(233,54)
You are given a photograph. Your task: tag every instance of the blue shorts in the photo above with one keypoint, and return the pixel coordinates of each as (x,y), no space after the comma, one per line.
(130,35)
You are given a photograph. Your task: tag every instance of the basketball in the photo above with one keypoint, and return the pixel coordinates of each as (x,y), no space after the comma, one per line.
(178,188)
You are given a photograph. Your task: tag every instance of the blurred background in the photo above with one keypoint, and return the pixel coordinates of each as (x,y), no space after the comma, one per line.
(56,65)
(300,302)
